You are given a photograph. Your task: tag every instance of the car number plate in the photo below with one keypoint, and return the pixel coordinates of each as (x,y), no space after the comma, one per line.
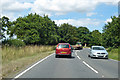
(63,52)
(101,55)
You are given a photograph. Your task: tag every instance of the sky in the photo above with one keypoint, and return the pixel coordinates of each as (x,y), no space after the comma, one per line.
(93,14)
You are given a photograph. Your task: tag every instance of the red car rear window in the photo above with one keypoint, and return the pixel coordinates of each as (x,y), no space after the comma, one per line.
(63,46)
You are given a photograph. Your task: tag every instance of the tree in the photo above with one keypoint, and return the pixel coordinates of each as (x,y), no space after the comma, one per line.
(1,34)
(5,25)
(83,34)
(35,29)
(111,34)
(68,33)
(96,38)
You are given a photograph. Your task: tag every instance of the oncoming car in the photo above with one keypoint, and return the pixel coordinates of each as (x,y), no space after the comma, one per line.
(63,49)
(78,46)
(98,52)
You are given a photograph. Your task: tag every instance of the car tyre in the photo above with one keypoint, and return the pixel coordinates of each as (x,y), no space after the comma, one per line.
(91,57)
(69,56)
(56,56)
(106,58)
(88,55)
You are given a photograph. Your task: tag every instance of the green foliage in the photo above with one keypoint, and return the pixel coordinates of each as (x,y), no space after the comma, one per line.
(113,53)
(35,29)
(41,30)
(68,33)
(109,49)
(5,25)
(1,29)
(111,36)
(83,34)
(96,38)
(13,42)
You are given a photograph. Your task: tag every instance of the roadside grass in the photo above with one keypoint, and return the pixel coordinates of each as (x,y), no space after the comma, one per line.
(16,59)
(113,53)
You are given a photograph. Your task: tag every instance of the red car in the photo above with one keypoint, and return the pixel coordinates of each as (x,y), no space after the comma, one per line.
(63,49)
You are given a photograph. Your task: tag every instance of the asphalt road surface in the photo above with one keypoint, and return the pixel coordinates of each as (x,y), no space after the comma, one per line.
(78,66)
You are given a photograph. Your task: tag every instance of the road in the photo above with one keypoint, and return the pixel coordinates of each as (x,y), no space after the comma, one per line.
(78,66)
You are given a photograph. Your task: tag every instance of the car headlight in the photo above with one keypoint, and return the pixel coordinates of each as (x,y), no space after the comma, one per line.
(94,53)
(106,53)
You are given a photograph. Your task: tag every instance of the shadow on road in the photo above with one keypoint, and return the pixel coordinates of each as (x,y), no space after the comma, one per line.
(67,57)
(100,58)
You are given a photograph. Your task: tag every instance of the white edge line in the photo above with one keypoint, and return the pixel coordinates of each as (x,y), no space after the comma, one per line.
(90,67)
(31,67)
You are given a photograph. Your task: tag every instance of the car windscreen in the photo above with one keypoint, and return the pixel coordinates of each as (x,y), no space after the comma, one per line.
(78,44)
(63,46)
(98,48)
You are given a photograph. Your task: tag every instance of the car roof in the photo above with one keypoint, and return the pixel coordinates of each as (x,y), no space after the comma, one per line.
(97,46)
(63,43)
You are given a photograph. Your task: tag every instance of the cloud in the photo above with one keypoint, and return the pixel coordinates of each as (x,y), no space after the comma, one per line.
(51,7)
(62,7)
(108,20)
(59,7)
(91,24)
(109,2)
(80,22)
(90,14)
(14,6)
(11,16)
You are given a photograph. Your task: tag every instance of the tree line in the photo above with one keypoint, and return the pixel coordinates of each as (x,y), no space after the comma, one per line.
(34,29)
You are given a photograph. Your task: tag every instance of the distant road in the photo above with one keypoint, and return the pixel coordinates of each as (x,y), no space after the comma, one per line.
(78,66)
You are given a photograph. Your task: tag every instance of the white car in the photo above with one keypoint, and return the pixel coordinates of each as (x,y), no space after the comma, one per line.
(98,52)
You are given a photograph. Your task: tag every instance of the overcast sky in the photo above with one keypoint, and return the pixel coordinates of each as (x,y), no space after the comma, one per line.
(93,14)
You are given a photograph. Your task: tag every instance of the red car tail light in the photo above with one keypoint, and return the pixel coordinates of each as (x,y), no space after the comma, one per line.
(57,48)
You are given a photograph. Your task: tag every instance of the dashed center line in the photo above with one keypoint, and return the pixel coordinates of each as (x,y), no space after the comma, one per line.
(87,65)
(78,57)
(75,53)
(90,67)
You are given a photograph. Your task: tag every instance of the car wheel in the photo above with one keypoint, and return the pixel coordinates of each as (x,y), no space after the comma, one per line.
(69,56)
(88,55)
(91,57)
(56,56)
(106,58)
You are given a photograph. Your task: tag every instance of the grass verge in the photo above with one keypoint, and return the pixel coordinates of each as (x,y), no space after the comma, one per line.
(113,53)
(17,59)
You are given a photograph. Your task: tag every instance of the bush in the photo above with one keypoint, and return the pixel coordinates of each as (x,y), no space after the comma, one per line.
(109,49)
(13,42)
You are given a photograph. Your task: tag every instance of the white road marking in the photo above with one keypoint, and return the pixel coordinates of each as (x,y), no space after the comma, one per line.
(87,64)
(102,76)
(78,57)
(90,67)
(30,67)
(76,54)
